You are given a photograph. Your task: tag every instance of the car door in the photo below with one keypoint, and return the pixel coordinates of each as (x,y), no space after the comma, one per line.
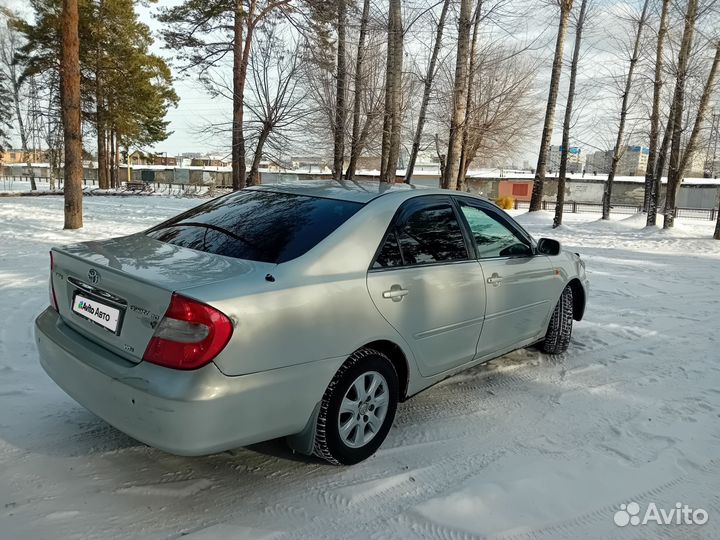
(517,279)
(427,285)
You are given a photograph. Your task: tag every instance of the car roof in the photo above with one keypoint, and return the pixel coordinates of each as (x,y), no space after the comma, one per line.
(361,191)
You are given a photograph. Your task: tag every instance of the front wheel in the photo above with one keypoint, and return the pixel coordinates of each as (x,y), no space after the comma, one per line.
(559,330)
(357,409)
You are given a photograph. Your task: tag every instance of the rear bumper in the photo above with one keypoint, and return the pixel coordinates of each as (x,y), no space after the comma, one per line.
(183,412)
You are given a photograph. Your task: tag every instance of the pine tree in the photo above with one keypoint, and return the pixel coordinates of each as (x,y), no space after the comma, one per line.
(113,50)
(72,118)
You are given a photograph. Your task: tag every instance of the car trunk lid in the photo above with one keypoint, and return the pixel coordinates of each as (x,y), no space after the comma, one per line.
(115,291)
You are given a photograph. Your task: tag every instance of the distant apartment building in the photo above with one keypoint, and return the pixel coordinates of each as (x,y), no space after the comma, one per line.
(598,162)
(633,161)
(575,163)
(696,165)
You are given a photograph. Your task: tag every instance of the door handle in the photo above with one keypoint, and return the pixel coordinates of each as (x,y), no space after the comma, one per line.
(395,293)
(495,279)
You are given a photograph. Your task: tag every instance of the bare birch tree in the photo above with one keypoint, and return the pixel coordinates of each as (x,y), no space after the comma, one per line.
(676,173)
(427,88)
(275,101)
(464,153)
(459,98)
(678,107)
(538,184)
(651,174)
(10,63)
(358,90)
(392,119)
(624,107)
(565,145)
(340,93)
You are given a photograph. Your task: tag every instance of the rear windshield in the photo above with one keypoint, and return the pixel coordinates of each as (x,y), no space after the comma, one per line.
(256,225)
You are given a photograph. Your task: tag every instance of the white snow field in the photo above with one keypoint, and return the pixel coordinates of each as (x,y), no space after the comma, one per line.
(527,446)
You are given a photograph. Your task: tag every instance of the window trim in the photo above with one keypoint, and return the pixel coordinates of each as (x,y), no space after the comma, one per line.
(504,220)
(407,208)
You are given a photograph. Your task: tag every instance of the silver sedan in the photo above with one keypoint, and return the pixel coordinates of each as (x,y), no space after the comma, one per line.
(303,310)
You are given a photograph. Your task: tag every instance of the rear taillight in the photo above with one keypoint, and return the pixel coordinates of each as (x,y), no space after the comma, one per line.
(51,287)
(189,335)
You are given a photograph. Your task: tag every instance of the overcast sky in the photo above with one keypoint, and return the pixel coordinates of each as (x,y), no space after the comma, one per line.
(597,100)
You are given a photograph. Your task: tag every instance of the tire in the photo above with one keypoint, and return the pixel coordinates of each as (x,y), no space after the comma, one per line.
(559,330)
(364,368)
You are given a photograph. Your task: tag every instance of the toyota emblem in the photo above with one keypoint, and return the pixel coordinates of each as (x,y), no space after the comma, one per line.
(94,276)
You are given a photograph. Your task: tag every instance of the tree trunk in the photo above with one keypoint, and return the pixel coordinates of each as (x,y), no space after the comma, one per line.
(70,99)
(389,95)
(427,87)
(253,176)
(655,114)
(396,130)
(340,91)
(465,157)
(538,184)
(441,158)
(716,236)
(459,98)
(607,194)
(692,142)
(567,121)
(103,180)
(659,168)
(239,73)
(113,159)
(393,78)
(674,171)
(355,146)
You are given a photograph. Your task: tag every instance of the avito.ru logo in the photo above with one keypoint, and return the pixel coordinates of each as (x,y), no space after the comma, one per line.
(680,514)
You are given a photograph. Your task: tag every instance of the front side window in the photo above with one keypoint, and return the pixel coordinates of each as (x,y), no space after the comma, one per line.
(492,238)
(257,225)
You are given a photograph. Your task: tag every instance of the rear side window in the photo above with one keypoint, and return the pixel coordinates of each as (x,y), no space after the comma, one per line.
(389,255)
(257,225)
(431,234)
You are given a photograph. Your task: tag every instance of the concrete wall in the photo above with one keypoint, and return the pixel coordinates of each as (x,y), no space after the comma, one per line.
(577,190)
(591,191)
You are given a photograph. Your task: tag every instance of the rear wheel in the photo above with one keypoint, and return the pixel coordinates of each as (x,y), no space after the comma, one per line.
(559,330)
(357,409)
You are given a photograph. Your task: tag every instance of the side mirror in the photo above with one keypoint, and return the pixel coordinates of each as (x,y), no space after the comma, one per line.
(548,246)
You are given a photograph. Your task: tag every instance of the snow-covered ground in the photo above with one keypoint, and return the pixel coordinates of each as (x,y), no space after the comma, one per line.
(11,186)
(528,445)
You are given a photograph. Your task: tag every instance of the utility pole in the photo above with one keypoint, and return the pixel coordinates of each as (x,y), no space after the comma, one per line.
(35,130)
